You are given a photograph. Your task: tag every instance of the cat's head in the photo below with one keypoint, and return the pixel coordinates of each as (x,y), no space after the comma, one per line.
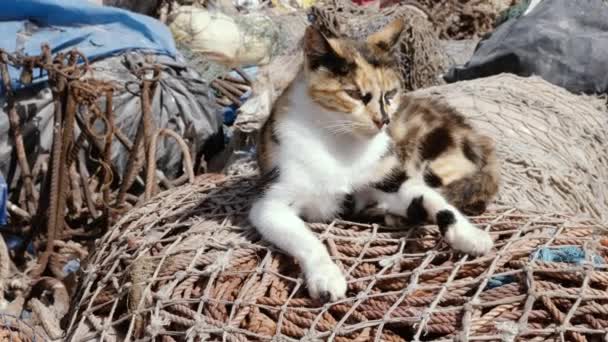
(357,79)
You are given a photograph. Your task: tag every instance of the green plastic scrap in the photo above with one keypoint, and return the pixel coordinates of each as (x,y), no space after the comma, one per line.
(512,12)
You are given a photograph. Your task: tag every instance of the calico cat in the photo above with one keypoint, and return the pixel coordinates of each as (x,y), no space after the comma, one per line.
(345,127)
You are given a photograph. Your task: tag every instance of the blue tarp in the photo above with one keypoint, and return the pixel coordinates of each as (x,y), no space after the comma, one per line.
(96,31)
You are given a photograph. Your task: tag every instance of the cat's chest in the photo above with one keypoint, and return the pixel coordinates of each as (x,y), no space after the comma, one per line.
(332,164)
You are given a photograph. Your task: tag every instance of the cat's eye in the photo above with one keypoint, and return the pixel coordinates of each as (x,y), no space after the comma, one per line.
(388,96)
(357,95)
(353,93)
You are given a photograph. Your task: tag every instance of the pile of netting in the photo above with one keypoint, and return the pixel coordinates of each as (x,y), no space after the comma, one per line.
(421,57)
(188,266)
(464,19)
(13,329)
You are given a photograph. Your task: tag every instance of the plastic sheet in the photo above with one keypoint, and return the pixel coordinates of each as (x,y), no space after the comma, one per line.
(96,31)
(563,41)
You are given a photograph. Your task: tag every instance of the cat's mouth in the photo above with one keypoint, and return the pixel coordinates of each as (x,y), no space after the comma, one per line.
(372,129)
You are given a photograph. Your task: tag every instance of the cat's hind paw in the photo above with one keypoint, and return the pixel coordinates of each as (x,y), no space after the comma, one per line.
(326,282)
(462,235)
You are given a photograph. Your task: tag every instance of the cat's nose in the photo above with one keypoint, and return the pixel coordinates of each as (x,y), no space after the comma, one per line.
(378,122)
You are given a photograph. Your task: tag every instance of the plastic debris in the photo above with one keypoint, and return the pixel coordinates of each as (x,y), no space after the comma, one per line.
(567,254)
(232,41)
(563,41)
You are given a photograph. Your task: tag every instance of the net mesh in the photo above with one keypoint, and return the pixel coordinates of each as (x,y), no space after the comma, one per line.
(464,19)
(421,56)
(188,267)
(13,329)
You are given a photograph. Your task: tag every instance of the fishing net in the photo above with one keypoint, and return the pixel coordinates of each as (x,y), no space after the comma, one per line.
(16,330)
(551,143)
(188,267)
(464,19)
(421,56)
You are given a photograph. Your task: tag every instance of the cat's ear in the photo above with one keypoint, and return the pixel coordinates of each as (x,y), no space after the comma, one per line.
(321,52)
(386,39)
(315,43)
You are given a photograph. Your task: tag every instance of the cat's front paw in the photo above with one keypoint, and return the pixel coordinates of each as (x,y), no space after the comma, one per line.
(326,282)
(364,200)
(462,235)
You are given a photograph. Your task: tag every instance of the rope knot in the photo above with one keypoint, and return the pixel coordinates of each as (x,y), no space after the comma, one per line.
(157,324)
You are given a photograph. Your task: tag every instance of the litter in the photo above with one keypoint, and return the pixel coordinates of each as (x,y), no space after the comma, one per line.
(567,254)
(564,42)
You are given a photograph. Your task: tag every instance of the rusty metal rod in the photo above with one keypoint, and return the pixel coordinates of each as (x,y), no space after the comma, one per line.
(233,79)
(226,93)
(59,87)
(133,165)
(137,155)
(150,179)
(243,75)
(232,89)
(15,128)
(107,175)
(66,146)
(124,140)
(149,125)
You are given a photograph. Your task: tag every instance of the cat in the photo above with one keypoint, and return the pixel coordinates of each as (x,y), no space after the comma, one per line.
(346,128)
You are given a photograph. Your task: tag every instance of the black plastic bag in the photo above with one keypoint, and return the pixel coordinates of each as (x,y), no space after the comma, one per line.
(563,41)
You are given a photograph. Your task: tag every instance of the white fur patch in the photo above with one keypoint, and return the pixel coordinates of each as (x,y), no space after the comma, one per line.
(462,235)
(318,167)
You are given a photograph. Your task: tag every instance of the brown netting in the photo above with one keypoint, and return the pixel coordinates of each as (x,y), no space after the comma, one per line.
(551,143)
(463,19)
(13,329)
(421,56)
(188,267)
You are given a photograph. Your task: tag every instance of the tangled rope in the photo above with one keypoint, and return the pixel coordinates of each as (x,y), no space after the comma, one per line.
(188,265)
(463,19)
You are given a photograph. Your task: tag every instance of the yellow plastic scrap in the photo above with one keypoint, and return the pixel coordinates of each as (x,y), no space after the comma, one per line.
(300,3)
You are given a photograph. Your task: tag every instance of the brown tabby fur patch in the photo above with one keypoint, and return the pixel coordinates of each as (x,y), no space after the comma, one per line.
(433,140)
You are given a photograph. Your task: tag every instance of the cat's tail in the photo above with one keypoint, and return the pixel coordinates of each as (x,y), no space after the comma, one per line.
(472,194)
